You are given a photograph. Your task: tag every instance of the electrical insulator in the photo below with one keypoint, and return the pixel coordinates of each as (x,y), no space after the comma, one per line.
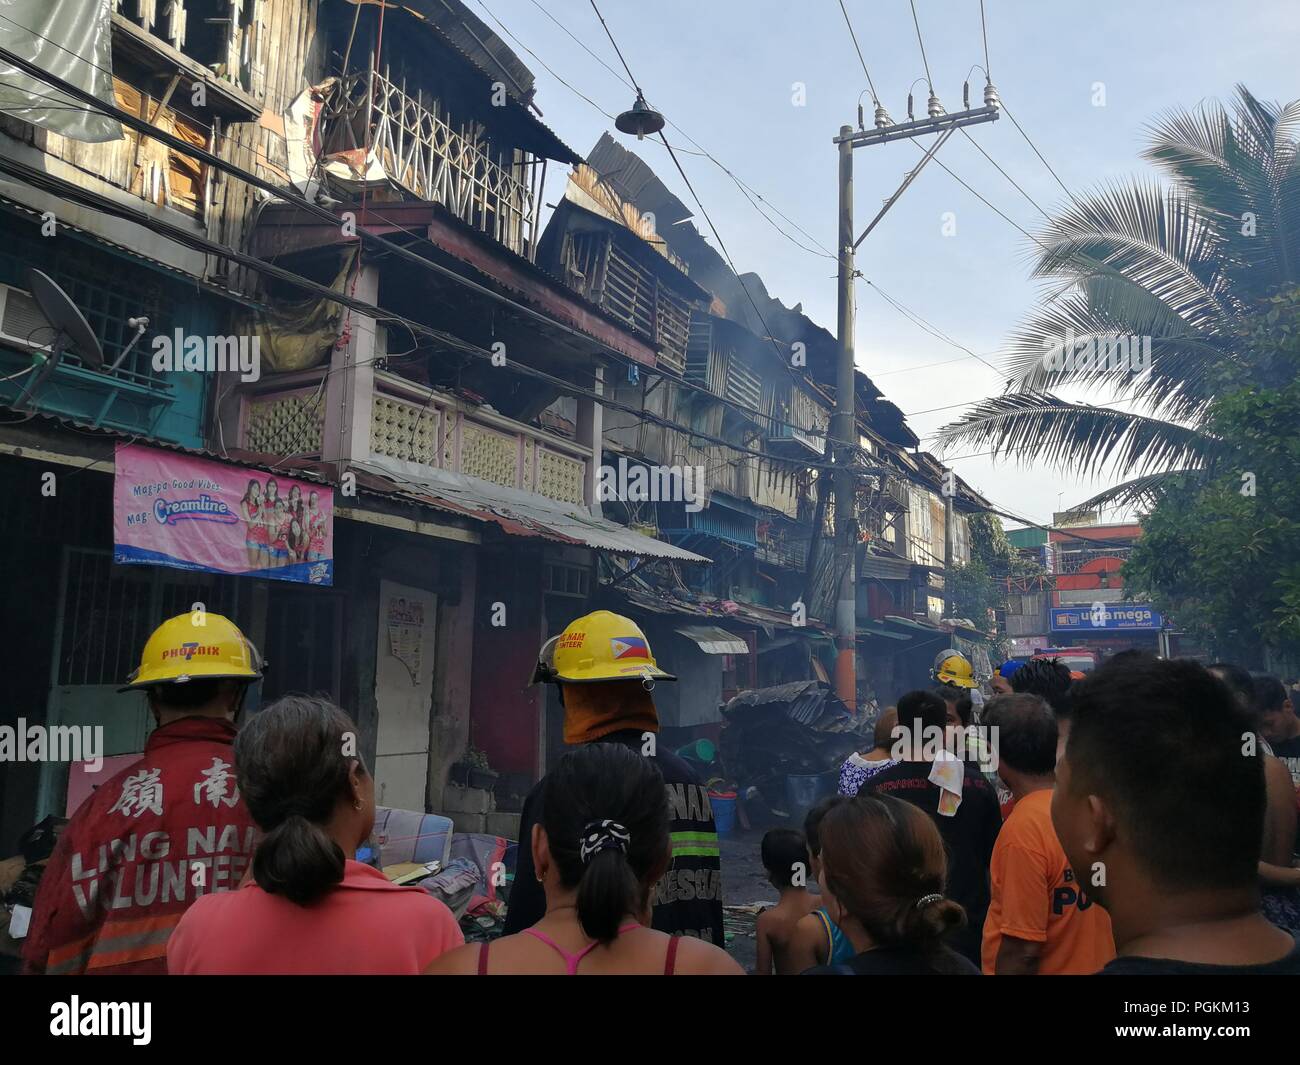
(965,96)
(935,109)
(859,116)
(910,116)
(882,117)
(991,96)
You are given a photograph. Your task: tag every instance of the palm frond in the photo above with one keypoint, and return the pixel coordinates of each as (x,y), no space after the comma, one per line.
(1151,238)
(1179,382)
(1233,166)
(1076,436)
(1141,491)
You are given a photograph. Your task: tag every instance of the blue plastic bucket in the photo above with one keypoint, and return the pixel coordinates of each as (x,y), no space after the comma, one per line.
(724,811)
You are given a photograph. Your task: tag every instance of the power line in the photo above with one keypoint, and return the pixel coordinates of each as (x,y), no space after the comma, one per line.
(923,366)
(934,331)
(849,22)
(748,191)
(545,66)
(915,22)
(767,330)
(70,191)
(985,31)
(617,50)
(75,194)
(1015,225)
(1038,153)
(1009,178)
(740,184)
(134,122)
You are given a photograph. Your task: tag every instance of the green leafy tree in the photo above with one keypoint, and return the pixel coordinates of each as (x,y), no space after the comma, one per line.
(980,588)
(1221,553)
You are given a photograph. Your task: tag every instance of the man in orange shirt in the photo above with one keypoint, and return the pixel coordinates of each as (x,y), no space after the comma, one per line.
(1040,919)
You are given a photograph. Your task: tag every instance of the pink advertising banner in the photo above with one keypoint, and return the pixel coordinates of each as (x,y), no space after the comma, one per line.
(175,510)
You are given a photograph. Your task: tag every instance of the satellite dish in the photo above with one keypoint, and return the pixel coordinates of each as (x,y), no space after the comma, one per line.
(72,332)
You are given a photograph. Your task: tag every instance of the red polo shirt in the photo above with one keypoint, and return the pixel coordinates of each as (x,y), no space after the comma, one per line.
(363,925)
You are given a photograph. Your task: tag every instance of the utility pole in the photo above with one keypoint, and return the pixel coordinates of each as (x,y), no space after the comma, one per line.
(949,490)
(843,430)
(844,433)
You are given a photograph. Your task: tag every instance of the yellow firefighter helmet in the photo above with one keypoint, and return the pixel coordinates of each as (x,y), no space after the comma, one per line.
(953,667)
(599,646)
(195,646)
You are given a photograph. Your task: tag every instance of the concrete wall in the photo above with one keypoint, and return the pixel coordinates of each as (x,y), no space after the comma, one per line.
(370,555)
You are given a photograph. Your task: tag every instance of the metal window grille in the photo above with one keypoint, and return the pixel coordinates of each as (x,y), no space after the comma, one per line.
(109,611)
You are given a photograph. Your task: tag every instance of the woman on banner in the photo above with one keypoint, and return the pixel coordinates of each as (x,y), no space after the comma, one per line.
(250,508)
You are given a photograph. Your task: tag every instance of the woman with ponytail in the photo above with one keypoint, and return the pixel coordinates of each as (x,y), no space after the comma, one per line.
(883,860)
(599,847)
(309,907)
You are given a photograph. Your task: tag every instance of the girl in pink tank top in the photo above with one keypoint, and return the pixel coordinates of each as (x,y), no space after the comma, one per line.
(601,845)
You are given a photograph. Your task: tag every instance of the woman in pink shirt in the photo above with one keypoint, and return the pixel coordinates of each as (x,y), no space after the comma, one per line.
(309,908)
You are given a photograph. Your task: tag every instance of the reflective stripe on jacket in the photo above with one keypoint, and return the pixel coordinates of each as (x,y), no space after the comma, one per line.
(158,835)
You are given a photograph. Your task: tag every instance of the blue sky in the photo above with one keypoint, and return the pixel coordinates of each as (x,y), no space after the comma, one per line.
(725,72)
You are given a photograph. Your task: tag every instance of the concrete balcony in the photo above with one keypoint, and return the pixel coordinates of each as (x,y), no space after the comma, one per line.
(412,429)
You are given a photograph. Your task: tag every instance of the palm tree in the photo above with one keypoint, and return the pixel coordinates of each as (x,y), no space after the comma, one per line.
(1185,264)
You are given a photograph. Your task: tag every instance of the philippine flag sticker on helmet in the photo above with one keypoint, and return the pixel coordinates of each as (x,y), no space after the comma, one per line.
(629,647)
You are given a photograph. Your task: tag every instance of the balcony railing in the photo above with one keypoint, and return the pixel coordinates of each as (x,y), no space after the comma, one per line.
(1073,561)
(408,423)
(413,138)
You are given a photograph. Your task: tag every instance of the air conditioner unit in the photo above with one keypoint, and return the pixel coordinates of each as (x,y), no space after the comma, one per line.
(21,320)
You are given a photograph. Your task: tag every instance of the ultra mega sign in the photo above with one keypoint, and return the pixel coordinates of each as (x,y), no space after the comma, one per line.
(1106,616)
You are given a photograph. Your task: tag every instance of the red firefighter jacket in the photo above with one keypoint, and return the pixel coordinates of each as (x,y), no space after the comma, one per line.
(147,843)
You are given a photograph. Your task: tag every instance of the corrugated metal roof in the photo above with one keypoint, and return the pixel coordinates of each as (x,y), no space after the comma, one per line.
(524,513)
(713,640)
(885,567)
(750,615)
(18,207)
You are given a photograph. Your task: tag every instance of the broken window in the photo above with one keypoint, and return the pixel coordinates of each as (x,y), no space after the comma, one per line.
(222,35)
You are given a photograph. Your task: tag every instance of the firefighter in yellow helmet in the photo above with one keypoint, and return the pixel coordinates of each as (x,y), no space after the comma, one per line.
(174,820)
(606,674)
(953,667)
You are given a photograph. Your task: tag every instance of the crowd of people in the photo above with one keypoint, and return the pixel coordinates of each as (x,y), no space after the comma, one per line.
(1139,820)
(1148,826)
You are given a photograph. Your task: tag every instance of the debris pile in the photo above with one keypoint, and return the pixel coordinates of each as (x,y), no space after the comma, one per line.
(798,729)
